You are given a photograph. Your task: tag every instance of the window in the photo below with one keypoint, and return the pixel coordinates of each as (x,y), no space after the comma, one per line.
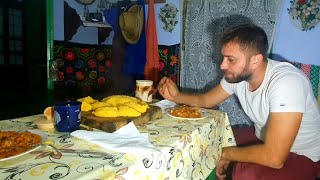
(1,36)
(11,33)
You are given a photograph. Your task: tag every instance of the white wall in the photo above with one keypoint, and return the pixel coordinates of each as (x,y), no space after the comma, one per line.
(294,44)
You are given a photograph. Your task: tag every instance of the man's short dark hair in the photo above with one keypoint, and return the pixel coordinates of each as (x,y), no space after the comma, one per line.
(250,37)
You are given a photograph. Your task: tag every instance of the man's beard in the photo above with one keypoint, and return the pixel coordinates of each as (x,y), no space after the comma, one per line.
(245,75)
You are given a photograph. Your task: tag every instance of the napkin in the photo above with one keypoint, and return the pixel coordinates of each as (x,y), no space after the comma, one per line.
(164,104)
(125,140)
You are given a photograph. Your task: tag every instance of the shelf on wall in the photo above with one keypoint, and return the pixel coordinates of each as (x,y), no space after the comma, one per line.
(155,1)
(104,24)
(96,24)
(100,24)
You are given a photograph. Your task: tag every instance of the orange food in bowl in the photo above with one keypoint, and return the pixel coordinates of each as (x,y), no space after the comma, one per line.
(13,143)
(186,112)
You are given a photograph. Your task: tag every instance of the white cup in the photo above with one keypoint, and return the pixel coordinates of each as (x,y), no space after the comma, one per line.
(144,90)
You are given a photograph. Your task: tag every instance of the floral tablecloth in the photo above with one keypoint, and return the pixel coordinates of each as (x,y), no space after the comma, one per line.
(189,150)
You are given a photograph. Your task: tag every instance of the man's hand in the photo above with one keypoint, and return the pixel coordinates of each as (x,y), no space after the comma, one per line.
(221,168)
(168,89)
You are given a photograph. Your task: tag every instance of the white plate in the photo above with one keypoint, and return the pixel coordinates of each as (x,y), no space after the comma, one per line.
(44,137)
(203,114)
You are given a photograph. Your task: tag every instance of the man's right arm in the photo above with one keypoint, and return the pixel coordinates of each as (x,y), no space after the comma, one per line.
(206,100)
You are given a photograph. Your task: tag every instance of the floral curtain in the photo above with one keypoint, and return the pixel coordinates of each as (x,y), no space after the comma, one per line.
(205,20)
(169,62)
(84,69)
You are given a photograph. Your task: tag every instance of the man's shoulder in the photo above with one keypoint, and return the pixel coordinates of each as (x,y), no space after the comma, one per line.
(283,69)
(280,64)
(284,77)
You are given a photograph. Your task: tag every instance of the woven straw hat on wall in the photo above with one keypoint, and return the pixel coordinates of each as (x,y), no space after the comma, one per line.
(131,24)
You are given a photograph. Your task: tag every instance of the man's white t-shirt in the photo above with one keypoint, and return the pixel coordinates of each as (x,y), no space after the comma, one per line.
(284,89)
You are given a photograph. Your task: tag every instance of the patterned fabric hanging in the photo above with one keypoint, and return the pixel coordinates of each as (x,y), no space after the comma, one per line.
(85,69)
(82,68)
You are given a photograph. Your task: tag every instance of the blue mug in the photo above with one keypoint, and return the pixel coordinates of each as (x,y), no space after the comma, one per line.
(67,116)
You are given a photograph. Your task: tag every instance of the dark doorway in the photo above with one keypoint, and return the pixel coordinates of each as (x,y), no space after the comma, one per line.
(23,58)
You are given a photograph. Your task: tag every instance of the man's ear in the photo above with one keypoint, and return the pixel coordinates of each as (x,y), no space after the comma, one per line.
(257,58)
(261,57)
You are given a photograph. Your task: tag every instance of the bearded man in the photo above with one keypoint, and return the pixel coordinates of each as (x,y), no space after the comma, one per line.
(279,100)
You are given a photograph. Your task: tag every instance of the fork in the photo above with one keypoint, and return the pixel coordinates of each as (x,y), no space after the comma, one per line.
(56,150)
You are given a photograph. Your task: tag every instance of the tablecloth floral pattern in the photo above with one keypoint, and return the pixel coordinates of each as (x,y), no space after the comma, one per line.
(189,149)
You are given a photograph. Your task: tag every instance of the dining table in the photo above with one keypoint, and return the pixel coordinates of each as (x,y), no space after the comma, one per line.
(187,149)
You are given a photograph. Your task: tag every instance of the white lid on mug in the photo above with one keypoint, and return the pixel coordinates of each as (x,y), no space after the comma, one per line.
(144,82)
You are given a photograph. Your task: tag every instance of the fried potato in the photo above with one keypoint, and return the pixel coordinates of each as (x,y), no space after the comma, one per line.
(126,111)
(140,107)
(106,112)
(114,106)
(96,105)
(85,106)
(87,99)
(119,99)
